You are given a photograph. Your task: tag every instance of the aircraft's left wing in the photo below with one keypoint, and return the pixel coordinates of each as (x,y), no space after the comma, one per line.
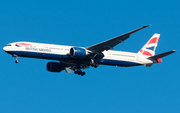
(109,44)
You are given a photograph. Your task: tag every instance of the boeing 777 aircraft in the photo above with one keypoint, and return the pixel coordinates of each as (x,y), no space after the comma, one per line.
(72,58)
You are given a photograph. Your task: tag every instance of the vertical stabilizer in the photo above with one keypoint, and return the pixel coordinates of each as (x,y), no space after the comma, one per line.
(150,47)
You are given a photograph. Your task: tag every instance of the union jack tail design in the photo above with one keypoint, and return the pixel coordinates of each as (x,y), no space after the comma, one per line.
(150,47)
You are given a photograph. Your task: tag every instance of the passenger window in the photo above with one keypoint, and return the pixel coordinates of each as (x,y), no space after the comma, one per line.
(8,45)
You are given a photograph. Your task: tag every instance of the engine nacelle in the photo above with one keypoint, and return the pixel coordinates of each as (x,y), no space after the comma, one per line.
(78,52)
(54,67)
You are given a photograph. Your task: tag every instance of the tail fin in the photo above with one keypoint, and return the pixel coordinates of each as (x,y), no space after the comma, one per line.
(150,47)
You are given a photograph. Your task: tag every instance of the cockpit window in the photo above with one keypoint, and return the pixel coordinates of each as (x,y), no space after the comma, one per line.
(8,45)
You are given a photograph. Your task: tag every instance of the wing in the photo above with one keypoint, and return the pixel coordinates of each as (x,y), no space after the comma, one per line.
(109,44)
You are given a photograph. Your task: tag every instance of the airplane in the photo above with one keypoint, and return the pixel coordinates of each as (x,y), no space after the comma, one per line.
(73,58)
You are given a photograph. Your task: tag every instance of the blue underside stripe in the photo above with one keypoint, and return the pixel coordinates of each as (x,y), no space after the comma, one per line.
(39,55)
(117,63)
(59,57)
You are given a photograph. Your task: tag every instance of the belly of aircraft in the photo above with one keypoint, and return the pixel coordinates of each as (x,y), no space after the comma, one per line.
(69,59)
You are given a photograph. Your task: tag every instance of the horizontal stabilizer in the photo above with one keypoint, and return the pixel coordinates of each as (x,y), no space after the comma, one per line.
(161,55)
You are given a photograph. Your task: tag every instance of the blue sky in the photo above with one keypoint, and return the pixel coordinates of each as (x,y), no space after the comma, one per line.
(29,87)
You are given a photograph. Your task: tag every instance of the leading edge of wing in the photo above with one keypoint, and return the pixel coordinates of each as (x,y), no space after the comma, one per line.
(109,44)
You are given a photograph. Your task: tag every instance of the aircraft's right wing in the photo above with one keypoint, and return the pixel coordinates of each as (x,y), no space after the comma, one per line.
(109,44)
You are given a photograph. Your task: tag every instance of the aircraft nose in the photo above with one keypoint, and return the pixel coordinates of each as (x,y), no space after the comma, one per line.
(5,48)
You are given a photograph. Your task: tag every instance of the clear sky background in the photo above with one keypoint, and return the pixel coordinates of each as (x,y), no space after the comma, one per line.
(28,87)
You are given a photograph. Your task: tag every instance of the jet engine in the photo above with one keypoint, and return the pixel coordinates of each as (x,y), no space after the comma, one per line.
(54,67)
(77,52)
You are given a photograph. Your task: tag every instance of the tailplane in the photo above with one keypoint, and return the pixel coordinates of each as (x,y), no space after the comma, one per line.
(150,47)
(159,56)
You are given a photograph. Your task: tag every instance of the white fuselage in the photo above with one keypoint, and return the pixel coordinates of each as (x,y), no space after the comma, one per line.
(61,53)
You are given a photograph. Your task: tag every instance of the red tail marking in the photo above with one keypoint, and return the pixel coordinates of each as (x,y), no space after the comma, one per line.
(146,53)
(154,40)
(141,50)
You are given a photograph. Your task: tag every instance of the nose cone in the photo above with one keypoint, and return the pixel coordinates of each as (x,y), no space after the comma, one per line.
(5,48)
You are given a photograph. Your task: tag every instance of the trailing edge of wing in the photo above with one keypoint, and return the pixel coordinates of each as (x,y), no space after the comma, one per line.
(109,44)
(161,55)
